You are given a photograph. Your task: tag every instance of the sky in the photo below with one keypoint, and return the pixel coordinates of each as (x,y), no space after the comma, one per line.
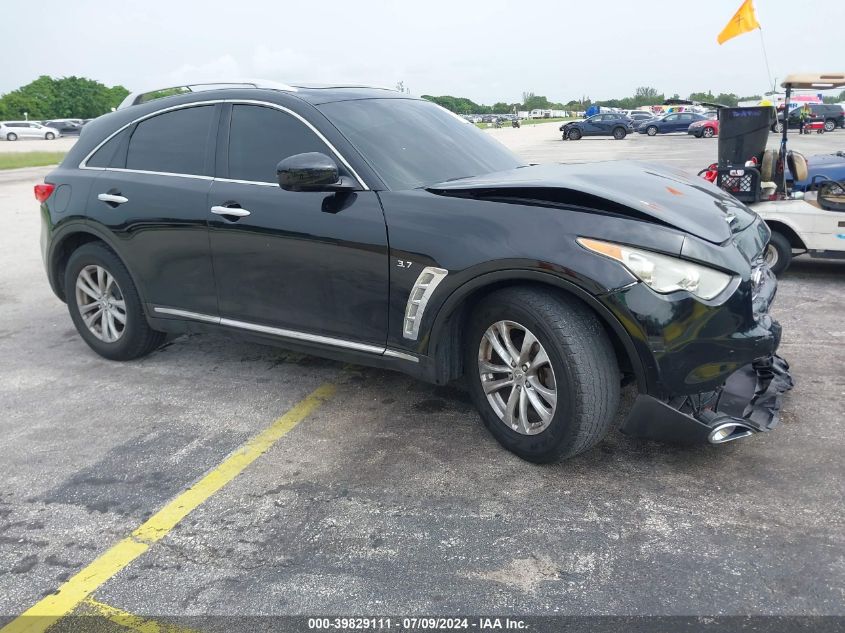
(487,50)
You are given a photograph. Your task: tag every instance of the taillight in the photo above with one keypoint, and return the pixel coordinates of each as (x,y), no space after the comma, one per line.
(42,192)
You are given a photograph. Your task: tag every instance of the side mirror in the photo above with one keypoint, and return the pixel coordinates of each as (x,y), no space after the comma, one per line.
(311,171)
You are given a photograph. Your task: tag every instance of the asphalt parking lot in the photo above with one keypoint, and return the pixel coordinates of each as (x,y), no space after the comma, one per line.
(371,493)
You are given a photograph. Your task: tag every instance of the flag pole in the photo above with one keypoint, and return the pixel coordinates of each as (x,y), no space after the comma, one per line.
(765,57)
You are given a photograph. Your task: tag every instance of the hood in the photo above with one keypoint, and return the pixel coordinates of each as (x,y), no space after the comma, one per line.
(643,191)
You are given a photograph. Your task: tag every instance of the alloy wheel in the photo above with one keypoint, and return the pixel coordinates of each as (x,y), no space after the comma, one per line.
(517,377)
(829,126)
(708,132)
(101,303)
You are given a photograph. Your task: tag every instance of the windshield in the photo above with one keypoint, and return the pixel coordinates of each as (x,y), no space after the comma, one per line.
(412,143)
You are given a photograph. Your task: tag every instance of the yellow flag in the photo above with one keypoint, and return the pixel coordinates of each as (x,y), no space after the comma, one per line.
(743,21)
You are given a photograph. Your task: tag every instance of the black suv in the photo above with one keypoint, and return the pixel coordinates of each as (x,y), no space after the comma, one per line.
(367,226)
(832,115)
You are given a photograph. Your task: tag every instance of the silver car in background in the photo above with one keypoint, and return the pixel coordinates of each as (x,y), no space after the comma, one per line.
(14,130)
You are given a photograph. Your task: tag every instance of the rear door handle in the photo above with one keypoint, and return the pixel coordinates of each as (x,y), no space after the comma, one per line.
(112,198)
(235,211)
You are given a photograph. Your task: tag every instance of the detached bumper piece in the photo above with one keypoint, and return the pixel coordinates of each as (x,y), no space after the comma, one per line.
(749,402)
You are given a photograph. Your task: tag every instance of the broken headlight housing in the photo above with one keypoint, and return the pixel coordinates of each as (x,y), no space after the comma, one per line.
(663,273)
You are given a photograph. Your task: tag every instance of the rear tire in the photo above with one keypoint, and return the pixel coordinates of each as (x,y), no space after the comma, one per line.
(574,134)
(581,371)
(778,253)
(11,136)
(619,133)
(651,130)
(133,338)
(708,132)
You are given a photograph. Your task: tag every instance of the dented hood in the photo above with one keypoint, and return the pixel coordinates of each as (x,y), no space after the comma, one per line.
(644,191)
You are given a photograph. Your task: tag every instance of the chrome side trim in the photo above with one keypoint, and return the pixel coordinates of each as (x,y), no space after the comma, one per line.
(154,173)
(424,287)
(289,334)
(393,353)
(185,314)
(302,336)
(332,148)
(247,182)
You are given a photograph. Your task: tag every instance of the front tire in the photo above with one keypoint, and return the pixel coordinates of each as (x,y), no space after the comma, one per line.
(619,133)
(542,373)
(11,136)
(574,134)
(778,253)
(651,130)
(829,125)
(105,306)
(49,136)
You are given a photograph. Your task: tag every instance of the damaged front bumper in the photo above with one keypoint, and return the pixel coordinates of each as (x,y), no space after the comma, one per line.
(748,402)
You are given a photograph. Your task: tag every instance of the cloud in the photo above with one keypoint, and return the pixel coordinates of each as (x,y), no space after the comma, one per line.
(222,68)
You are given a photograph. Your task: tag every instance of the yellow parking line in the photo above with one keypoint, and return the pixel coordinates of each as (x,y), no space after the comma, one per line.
(47,611)
(128,620)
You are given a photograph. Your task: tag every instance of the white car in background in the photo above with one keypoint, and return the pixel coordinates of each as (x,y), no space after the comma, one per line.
(13,130)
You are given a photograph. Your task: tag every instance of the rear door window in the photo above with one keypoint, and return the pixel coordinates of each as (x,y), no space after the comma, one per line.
(174,142)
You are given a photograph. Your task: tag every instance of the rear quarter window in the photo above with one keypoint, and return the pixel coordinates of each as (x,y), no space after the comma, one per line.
(108,155)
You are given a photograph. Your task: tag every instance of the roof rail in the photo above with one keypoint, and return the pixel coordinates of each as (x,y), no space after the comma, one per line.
(136,98)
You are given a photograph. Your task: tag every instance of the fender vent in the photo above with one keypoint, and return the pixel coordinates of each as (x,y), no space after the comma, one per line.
(423,288)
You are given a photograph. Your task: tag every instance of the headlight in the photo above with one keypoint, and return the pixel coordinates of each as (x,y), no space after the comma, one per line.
(662,273)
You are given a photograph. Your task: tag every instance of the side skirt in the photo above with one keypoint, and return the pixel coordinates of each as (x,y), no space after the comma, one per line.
(177,321)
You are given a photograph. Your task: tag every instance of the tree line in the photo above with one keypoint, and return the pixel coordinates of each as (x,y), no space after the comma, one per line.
(643,96)
(82,98)
(60,98)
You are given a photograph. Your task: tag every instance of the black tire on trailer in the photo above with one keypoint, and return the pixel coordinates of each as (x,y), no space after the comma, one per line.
(778,253)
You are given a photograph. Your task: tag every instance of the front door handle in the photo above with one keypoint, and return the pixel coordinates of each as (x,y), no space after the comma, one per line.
(112,198)
(234,211)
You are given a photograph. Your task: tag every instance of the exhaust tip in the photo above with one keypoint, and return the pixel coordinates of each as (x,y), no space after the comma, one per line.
(728,432)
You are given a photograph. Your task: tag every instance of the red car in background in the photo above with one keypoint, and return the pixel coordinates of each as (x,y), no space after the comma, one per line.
(706,129)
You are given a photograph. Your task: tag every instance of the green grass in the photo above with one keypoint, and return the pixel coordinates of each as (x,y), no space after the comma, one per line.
(16,160)
(484,126)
